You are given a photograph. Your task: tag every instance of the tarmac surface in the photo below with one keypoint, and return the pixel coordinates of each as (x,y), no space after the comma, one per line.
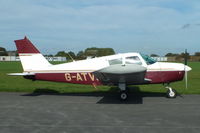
(98,113)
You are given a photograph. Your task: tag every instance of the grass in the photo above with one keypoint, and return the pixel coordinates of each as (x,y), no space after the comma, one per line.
(19,84)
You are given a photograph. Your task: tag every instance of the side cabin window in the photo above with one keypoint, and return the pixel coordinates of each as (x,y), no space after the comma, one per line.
(128,60)
(133,60)
(115,61)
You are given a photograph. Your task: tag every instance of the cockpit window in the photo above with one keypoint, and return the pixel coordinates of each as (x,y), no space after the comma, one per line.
(148,59)
(133,60)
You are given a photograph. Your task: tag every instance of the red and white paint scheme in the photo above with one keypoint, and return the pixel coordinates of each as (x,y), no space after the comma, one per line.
(120,69)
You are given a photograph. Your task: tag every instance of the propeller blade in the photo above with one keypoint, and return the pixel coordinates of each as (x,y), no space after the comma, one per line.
(186,80)
(186,75)
(185,56)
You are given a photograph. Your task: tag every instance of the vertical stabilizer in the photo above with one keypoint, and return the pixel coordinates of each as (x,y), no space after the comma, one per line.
(30,56)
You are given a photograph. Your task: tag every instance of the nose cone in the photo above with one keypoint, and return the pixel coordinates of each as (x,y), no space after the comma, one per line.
(187,68)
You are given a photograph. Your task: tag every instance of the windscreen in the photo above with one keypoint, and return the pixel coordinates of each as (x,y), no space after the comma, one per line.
(148,59)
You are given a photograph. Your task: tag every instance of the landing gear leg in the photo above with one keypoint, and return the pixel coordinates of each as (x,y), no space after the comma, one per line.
(171,93)
(123,91)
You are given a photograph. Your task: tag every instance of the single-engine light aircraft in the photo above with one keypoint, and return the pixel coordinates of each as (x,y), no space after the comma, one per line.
(118,70)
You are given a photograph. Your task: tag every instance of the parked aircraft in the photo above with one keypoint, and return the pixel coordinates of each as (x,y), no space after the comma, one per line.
(118,70)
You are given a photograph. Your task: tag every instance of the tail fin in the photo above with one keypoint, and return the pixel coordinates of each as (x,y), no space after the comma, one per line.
(30,56)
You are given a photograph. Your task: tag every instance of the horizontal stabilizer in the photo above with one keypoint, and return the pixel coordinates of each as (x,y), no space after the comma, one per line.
(21,74)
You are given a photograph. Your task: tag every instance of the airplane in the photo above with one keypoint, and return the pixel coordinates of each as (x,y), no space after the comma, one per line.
(118,70)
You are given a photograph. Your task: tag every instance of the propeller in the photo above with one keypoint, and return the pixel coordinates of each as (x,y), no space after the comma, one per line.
(186,75)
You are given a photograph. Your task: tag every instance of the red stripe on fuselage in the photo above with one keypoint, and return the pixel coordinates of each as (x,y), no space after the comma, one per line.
(76,78)
(156,77)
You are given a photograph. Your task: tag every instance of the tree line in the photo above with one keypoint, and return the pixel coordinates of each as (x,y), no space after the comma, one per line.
(176,54)
(181,56)
(98,52)
(89,52)
(3,52)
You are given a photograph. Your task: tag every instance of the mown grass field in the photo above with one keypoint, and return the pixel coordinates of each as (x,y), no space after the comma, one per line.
(19,84)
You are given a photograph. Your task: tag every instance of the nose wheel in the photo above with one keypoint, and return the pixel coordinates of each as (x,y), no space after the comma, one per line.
(171,93)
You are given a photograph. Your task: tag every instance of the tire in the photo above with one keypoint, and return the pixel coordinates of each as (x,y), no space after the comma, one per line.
(123,95)
(172,94)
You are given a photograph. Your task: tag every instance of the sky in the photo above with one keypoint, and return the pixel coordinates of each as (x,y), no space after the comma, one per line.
(147,26)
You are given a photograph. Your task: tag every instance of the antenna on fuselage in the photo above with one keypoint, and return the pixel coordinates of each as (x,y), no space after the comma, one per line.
(70,56)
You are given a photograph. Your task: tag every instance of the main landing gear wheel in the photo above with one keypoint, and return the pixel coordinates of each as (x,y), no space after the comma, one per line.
(171,93)
(123,91)
(123,95)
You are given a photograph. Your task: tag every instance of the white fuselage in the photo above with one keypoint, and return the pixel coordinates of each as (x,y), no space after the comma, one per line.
(90,65)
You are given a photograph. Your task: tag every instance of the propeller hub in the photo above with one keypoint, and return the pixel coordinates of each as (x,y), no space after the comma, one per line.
(187,68)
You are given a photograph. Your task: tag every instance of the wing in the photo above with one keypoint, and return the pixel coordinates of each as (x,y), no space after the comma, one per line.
(128,74)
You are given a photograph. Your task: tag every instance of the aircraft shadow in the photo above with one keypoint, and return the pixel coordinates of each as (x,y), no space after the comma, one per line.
(110,97)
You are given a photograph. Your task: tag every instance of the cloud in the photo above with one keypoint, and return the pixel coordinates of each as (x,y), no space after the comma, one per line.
(83,23)
(186,26)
